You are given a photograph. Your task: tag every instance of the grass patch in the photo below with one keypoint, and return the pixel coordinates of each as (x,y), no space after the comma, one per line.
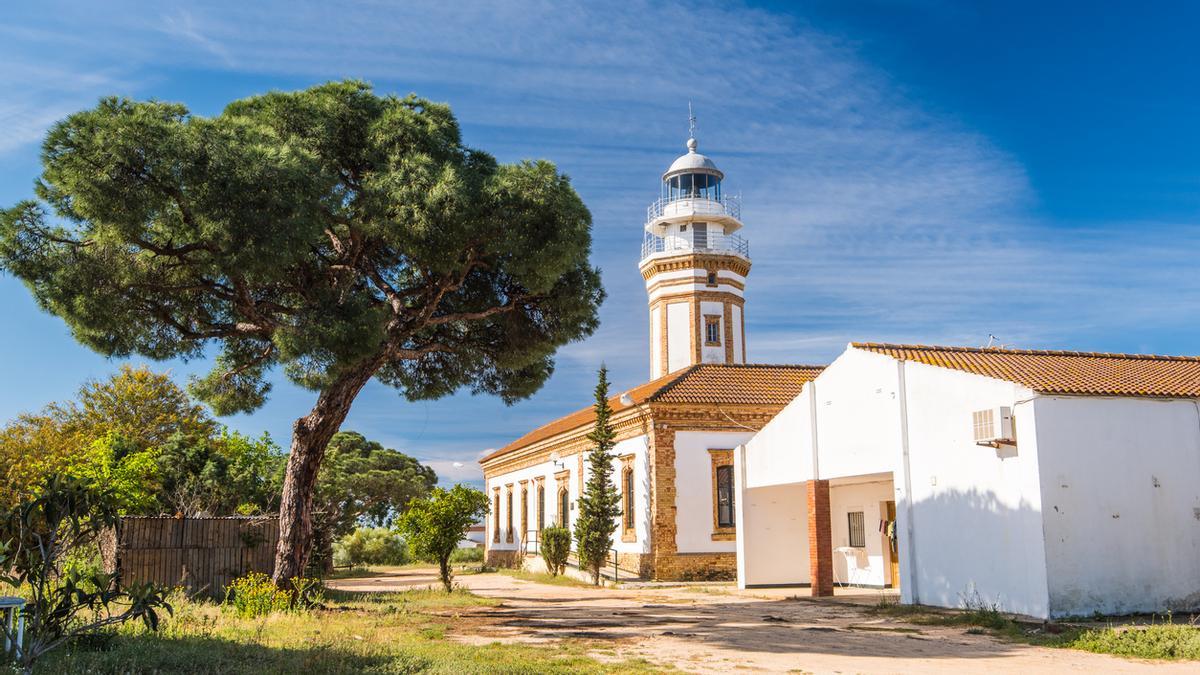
(711,590)
(1162,639)
(543,578)
(376,633)
(361,571)
(1170,641)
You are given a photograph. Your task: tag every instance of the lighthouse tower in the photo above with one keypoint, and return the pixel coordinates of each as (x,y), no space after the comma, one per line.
(695,267)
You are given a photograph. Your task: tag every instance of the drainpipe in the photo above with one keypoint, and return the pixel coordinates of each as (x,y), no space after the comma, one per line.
(812,426)
(910,530)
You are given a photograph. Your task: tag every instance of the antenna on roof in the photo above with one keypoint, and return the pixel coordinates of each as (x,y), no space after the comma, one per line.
(991,341)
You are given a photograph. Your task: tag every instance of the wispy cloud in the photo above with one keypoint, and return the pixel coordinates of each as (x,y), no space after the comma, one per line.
(183,24)
(870,217)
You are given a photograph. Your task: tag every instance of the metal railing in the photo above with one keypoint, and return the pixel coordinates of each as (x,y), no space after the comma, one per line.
(714,242)
(612,562)
(705,206)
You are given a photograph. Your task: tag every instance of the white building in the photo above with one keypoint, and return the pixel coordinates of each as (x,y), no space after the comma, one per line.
(1046,483)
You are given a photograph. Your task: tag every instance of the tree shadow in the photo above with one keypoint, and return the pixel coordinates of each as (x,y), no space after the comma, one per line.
(768,626)
(149,653)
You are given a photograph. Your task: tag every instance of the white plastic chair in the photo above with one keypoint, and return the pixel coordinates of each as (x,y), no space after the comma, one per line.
(14,624)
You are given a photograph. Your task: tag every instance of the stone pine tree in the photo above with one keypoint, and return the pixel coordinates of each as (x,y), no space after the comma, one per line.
(330,234)
(600,503)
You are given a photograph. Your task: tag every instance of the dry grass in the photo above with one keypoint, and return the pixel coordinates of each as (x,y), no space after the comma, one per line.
(408,632)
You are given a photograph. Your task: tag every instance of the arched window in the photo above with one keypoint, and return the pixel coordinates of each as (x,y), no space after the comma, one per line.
(508,536)
(627,497)
(725,512)
(541,507)
(564,507)
(496,516)
(524,533)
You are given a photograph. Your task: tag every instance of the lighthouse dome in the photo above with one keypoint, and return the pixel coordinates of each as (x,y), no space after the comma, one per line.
(693,162)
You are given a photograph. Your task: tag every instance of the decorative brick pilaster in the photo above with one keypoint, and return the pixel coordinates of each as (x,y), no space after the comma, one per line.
(820,538)
(662,500)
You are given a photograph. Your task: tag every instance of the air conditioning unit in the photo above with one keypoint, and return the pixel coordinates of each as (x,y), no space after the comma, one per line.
(994,426)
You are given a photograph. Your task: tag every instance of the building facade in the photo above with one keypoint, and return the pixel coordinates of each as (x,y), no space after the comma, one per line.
(1044,483)
(676,433)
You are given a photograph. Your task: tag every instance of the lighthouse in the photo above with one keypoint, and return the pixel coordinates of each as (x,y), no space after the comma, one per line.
(695,266)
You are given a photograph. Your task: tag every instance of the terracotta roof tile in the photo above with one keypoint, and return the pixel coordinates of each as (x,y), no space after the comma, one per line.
(1062,372)
(703,384)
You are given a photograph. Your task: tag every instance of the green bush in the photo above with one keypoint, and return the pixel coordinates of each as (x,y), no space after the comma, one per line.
(556,546)
(256,595)
(45,551)
(467,555)
(1159,641)
(371,546)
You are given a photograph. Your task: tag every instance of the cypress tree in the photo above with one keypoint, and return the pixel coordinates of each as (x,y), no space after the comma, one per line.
(600,503)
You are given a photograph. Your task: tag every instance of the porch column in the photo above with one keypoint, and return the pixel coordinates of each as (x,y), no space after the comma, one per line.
(820,539)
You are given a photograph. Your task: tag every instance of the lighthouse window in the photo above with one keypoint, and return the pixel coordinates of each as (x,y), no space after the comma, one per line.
(712,330)
(712,278)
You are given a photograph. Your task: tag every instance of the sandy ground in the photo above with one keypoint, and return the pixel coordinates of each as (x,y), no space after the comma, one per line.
(720,629)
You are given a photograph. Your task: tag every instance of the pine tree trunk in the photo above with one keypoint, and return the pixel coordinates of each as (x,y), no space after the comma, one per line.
(310,435)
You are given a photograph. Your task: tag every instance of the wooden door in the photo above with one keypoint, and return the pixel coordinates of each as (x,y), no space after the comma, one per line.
(889,538)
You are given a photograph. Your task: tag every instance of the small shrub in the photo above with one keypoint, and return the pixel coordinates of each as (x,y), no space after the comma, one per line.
(467,555)
(256,595)
(556,547)
(307,593)
(371,546)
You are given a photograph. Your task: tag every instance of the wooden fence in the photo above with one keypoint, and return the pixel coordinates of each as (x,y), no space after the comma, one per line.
(200,554)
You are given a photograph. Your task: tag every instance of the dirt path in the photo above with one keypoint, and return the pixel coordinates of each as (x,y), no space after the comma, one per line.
(720,630)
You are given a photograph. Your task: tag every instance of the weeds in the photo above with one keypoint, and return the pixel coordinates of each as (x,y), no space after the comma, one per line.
(377,633)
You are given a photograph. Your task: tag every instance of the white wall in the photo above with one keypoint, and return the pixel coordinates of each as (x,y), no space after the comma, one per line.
(712,354)
(693,488)
(781,452)
(858,416)
(772,544)
(679,339)
(641,493)
(859,566)
(636,446)
(976,518)
(1120,485)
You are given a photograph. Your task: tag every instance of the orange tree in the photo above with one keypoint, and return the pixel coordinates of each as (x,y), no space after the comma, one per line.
(332,233)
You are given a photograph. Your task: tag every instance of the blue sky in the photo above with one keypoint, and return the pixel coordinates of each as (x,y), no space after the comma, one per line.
(912,170)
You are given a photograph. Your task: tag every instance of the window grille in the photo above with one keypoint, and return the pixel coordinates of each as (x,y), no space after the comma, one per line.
(858,530)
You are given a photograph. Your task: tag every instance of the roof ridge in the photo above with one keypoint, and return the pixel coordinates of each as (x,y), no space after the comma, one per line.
(1031,352)
(796,366)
